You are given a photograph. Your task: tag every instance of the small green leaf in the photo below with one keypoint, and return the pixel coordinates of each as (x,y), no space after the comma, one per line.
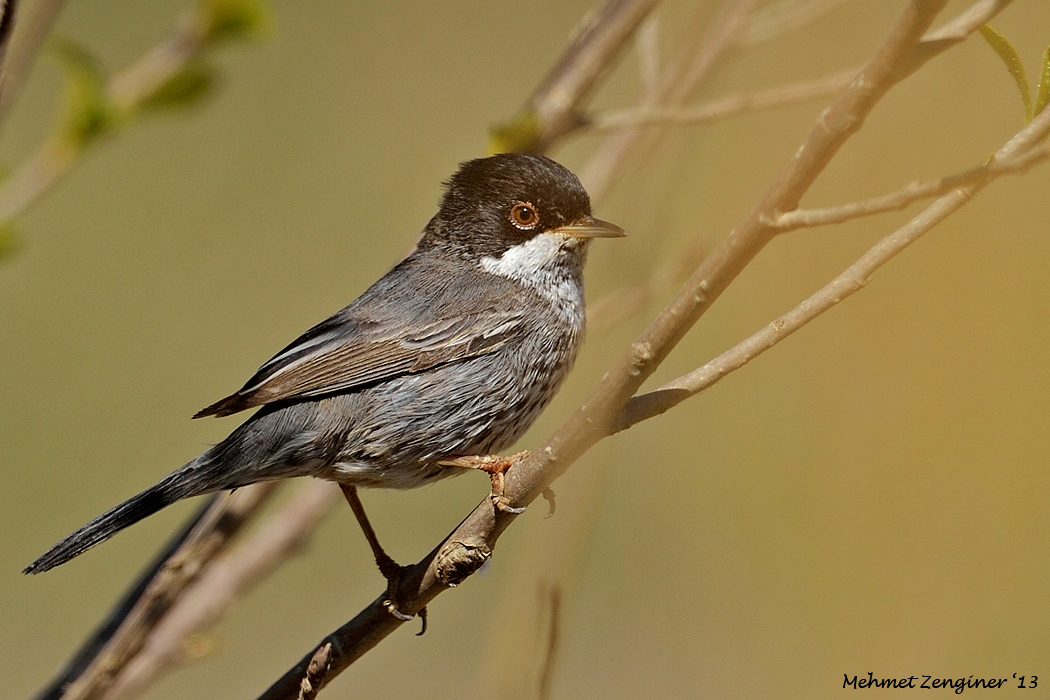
(1008,54)
(1042,97)
(186,88)
(87,113)
(519,135)
(223,20)
(8,243)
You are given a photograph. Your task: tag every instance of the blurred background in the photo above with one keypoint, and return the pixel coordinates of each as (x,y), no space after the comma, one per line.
(870,495)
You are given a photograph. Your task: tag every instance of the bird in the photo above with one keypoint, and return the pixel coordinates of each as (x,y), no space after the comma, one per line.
(440,364)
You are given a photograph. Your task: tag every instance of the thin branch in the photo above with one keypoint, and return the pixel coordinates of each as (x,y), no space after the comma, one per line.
(647,44)
(227,579)
(729,106)
(33,25)
(783,17)
(8,14)
(94,645)
(136,83)
(965,23)
(211,535)
(852,280)
(834,126)
(956,31)
(799,218)
(552,597)
(556,101)
(680,79)
(126,91)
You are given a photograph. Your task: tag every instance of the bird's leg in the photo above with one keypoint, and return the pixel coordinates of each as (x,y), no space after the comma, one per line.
(495,466)
(390,569)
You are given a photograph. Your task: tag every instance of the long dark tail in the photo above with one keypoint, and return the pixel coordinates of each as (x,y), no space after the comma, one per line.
(192,480)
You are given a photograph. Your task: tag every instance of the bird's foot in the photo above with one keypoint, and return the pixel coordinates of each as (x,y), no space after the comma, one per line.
(495,466)
(390,569)
(392,572)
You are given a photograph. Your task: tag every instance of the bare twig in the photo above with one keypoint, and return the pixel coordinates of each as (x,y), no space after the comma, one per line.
(680,79)
(552,596)
(211,535)
(647,44)
(8,12)
(597,44)
(228,578)
(789,221)
(725,107)
(34,23)
(94,645)
(126,91)
(955,31)
(835,125)
(850,281)
(782,17)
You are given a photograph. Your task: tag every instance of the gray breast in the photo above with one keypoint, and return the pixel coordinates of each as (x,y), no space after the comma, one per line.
(400,428)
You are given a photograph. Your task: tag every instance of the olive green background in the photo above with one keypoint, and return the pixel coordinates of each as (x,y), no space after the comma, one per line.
(870,495)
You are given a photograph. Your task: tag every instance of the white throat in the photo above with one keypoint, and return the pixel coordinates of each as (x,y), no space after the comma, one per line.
(544,264)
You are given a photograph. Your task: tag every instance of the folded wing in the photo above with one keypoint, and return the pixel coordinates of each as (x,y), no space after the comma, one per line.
(343,354)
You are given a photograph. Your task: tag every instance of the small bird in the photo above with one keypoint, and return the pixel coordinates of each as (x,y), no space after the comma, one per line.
(445,360)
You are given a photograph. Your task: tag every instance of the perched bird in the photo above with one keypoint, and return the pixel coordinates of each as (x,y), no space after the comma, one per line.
(449,356)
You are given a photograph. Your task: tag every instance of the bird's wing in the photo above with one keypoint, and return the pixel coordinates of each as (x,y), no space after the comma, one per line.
(343,354)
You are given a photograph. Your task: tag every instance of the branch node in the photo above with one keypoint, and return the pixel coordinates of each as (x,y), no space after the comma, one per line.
(458,560)
(771,220)
(316,672)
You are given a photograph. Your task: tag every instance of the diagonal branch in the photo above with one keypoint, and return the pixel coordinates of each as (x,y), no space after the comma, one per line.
(96,643)
(729,106)
(852,280)
(555,104)
(126,91)
(799,218)
(599,414)
(679,80)
(472,542)
(228,578)
(34,23)
(223,520)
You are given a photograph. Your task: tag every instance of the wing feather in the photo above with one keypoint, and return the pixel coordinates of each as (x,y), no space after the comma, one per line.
(348,354)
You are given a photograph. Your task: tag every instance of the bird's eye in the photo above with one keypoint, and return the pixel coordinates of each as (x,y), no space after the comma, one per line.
(524,215)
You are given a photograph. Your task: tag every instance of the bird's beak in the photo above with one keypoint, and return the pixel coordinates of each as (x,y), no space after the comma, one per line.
(590,227)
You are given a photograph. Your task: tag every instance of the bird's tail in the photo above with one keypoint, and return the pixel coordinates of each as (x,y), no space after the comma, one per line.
(192,480)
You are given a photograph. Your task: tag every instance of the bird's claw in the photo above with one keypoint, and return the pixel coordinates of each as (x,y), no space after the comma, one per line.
(390,602)
(499,498)
(391,607)
(495,466)
(552,505)
(503,503)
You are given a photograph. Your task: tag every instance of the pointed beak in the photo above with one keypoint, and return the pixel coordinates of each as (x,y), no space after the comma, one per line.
(590,227)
